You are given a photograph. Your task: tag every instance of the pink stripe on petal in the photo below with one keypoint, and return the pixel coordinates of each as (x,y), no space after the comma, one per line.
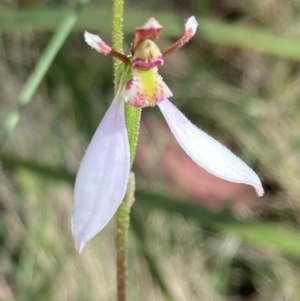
(102,177)
(207,152)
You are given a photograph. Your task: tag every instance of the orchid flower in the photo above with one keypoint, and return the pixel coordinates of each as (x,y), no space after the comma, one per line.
(103,174)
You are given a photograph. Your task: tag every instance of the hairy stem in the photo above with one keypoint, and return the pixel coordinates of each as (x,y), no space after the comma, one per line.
(123,221)
(117,26)
(132,116)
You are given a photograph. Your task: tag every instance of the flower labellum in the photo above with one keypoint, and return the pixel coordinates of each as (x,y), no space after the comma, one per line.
(103,174)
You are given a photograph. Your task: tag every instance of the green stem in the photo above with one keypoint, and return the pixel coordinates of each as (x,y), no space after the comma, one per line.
(132,117)
(117,26)
(123,221)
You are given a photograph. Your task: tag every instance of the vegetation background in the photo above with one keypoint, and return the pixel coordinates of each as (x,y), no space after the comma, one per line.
(193,237)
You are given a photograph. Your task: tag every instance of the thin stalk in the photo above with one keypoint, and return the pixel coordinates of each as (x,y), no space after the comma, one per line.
(132,116)
(123,221)
(118,36)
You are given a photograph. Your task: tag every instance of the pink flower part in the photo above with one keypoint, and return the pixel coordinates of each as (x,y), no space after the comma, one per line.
(143,92)
(151,24)
(102,177)
(190,27)
(190,30)
(150,31)
(97,43)
(142,65)
(207,152)
(129,84)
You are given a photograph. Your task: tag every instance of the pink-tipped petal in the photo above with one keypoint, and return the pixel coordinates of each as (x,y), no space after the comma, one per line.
(97,43)
(150,31)
(151,24)
(189,32)
(102,177)
(206,151)
(191,25)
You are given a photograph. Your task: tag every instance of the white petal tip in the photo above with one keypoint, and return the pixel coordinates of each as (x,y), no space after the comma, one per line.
(191,25)
(151,24)
(92,39)
(97,43)
(259,190)
(79,247)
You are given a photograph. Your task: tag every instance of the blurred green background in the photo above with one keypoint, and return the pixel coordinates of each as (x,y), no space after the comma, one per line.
(193,237)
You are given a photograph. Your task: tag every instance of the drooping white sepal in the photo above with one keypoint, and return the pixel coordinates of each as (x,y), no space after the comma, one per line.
(102,177)
(206,151)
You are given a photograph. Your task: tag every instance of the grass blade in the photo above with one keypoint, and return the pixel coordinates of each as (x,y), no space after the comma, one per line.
(42,67)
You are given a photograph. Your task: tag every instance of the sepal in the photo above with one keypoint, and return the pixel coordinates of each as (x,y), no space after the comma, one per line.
(102,177)
(207,152)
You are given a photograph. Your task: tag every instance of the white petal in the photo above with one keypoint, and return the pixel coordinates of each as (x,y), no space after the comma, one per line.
(151,24)
(102,177)
(191,25)
(97,43)
(207,152)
